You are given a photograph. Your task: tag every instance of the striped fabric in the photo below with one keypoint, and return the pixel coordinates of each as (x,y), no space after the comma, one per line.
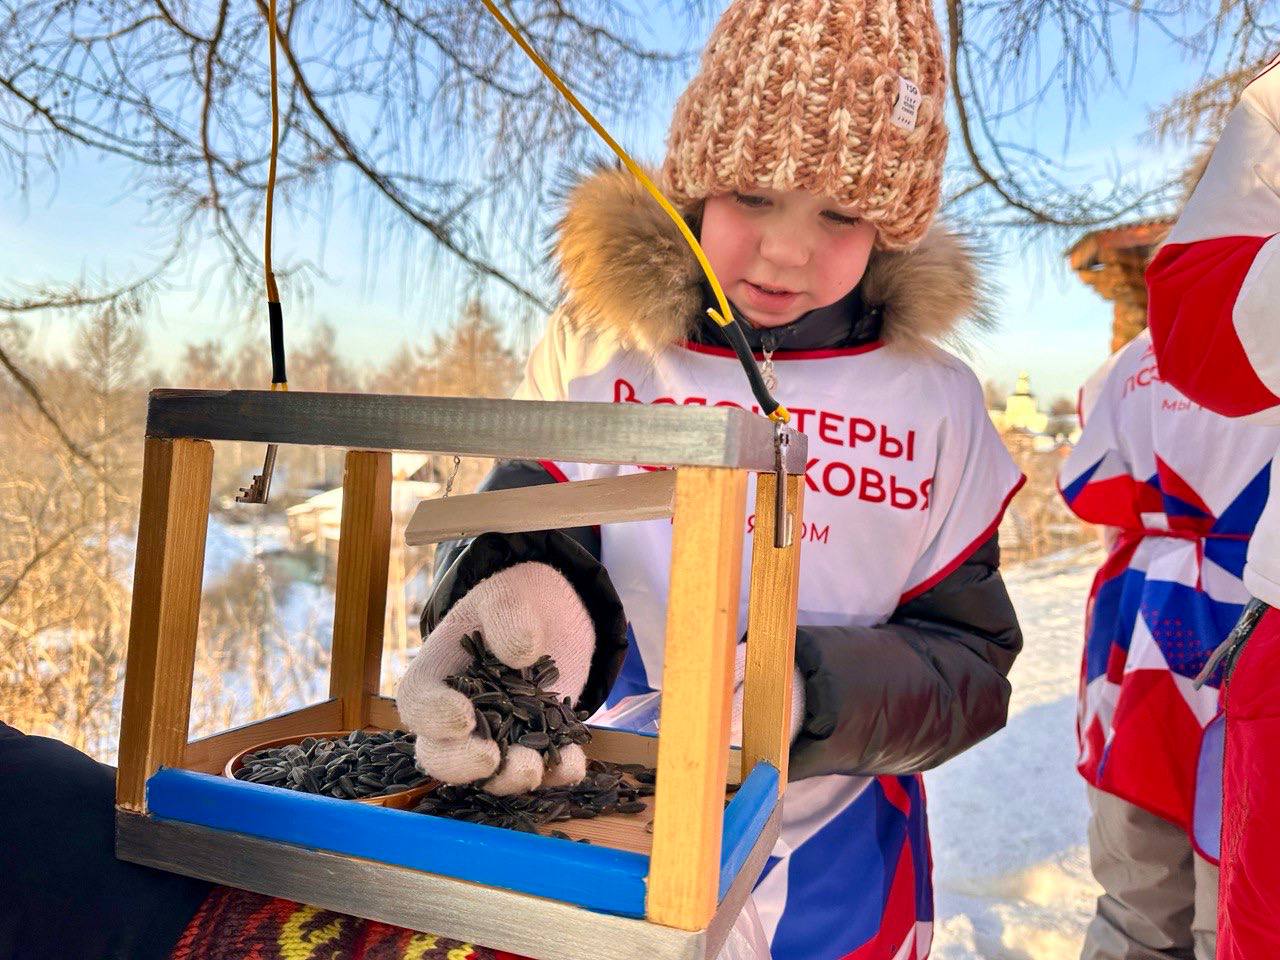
(238,925)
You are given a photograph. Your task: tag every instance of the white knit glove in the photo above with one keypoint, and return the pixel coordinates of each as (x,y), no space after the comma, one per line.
(523,612)
(739,674)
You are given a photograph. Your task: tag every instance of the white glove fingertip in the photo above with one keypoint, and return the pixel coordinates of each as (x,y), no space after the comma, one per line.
(457,761)
(739,665)
(797,703)
(512,637)
(521,772)
(571,769)
(435,712)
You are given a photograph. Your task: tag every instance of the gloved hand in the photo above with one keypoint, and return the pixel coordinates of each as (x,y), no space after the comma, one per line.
(739,675)
(523,612)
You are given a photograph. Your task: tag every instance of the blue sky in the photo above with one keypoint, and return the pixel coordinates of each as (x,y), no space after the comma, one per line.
(88,220)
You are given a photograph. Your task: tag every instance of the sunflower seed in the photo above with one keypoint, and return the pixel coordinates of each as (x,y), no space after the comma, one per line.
(515,706)
(371,763)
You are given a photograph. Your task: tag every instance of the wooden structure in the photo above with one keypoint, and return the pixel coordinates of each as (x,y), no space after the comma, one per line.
(630,894)
(1113,262)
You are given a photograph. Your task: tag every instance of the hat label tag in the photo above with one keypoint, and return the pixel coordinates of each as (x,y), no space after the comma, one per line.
(906,106)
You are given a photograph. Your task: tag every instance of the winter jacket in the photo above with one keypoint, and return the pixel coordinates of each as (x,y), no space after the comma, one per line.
(904,655)
(1179,489)
(1214,286)
(1213,291)
(937,668)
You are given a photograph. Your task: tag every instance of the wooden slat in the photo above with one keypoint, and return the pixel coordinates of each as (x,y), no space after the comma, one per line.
(697,675)
(620,831)
(210,754)
(621,746)
(565,430)
(165,615)
(360,603)
(551,506)
(381,712)
(771,631)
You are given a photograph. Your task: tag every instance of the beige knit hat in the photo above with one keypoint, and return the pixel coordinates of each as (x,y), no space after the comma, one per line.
(842,98)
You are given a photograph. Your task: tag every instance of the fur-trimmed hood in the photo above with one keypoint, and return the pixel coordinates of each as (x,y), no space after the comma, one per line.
(626,272)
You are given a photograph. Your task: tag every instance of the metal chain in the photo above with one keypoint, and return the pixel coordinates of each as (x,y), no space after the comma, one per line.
(453,475)
(767,372)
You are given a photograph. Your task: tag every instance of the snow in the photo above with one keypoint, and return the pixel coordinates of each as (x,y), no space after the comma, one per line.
(1008,818)
(223,551)
(229,544)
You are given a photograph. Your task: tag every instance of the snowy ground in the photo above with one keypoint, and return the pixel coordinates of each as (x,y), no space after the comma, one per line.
(1011,870)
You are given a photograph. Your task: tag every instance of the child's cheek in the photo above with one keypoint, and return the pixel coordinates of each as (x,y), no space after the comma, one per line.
(727,241)
(842,265)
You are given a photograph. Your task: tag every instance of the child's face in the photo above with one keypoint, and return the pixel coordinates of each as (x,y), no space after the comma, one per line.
(780,254)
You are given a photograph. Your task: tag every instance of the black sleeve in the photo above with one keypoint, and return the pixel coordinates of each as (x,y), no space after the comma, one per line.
(922,688)
(574,552)
(63,893)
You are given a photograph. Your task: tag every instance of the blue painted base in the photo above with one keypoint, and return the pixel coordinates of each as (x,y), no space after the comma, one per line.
(744,818)
(594,877)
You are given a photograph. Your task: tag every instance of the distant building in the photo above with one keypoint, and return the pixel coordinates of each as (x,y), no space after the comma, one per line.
(1037,522)
(314,524)
(1021,412)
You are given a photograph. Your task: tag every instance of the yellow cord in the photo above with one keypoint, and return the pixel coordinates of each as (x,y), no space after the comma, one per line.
(723,316)
(273,295)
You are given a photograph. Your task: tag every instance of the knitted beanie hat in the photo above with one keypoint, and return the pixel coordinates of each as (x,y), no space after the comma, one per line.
(842,98)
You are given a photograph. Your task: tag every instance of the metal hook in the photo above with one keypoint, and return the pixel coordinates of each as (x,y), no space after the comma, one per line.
(260,487)
(783,522)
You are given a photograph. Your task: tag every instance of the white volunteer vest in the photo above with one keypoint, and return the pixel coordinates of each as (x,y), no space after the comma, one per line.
(906,474)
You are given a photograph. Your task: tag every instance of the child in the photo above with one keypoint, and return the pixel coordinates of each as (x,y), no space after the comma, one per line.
(1214,291)
(807,154)
(1179,489)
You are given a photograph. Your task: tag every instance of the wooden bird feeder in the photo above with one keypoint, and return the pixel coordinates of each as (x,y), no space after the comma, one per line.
(672,894)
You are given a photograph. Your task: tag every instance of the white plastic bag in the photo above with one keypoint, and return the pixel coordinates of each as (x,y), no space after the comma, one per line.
(746,939)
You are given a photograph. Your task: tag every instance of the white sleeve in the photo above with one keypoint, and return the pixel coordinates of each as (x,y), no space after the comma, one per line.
(1096,478)
(1213,287)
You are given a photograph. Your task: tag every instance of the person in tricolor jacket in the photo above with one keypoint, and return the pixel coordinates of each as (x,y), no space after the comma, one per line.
(807,156)
(1179,490)
(1214,307)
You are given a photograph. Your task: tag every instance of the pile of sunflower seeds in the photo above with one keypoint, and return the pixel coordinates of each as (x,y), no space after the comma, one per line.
(608,788)
(362,764)
(515,706)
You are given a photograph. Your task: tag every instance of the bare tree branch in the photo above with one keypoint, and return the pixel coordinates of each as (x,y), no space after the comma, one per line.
(32,391)
(14,582)
(386,187)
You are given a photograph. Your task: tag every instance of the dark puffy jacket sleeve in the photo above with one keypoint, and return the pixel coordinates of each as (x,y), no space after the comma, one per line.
(574,552)
(923,687)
